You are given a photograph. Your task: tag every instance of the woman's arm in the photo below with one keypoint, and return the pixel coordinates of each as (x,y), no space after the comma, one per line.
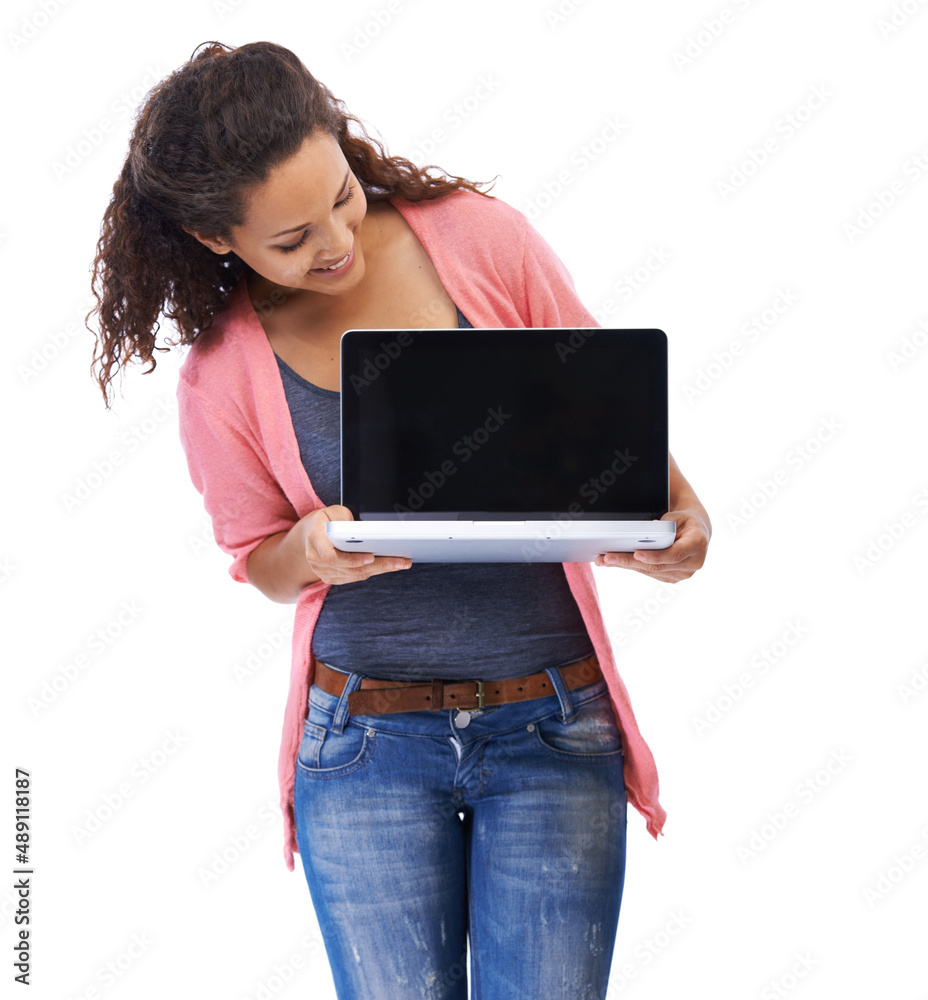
(253,521)
(688,552)
(286,562)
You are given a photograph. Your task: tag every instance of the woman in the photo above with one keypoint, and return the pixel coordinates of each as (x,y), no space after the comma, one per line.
(260,218)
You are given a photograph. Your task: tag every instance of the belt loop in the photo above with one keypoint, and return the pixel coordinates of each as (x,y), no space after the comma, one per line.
(340,716)
(567,713)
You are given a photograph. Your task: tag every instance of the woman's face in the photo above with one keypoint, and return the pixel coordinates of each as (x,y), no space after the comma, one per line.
(302,219)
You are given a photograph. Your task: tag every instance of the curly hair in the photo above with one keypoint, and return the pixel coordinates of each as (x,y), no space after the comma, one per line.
(206,135)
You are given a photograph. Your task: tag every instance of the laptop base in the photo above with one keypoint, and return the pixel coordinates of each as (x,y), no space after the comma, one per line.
(508,541)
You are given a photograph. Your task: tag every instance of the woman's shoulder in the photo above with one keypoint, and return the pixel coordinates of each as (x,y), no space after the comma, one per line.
(468,230)
(463,208)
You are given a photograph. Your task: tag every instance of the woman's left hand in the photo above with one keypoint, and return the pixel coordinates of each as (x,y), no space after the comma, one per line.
(688,552)
(675,563)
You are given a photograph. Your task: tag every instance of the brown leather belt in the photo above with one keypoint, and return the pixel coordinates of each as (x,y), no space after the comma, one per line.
(378,697)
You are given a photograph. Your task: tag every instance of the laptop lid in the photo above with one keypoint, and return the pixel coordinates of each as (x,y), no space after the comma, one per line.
(501,424)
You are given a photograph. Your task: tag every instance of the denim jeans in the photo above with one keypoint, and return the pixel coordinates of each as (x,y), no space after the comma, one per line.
(418,834)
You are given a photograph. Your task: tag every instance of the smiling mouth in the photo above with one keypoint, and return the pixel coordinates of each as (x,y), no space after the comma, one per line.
(337,265)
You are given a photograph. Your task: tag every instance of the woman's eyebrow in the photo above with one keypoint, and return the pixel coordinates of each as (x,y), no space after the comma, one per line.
(306,225)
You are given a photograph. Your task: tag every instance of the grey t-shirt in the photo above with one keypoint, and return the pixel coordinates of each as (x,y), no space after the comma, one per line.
(451,621)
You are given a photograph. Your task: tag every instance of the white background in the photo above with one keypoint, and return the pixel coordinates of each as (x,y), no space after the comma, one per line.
(797,831)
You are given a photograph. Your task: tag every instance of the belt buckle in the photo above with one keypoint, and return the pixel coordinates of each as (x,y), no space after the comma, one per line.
(478,694)
(464,715)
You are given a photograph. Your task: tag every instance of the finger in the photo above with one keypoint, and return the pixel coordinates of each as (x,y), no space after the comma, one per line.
(670,572)
(671,556)
(320,549)
(337,513)
(644,559)
(321,552)
(354,574)
(353,566)
(621,559)
(687,543)
(387,564)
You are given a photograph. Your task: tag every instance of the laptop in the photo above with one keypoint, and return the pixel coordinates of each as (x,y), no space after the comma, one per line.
(501,445)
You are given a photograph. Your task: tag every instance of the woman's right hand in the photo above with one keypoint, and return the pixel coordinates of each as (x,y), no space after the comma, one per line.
(330,564)
(287,562)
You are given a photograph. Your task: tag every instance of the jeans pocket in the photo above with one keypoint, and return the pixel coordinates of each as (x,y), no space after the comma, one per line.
(324,754)
(592,735)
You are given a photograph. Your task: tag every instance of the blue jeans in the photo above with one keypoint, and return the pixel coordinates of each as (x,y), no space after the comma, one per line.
(417,834)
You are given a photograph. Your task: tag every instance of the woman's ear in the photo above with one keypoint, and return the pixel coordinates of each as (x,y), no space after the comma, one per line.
(214,244)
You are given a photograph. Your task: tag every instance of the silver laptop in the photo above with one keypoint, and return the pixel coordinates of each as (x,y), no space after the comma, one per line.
(499,445)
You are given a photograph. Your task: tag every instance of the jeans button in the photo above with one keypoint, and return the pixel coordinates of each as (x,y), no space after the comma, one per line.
(462,719)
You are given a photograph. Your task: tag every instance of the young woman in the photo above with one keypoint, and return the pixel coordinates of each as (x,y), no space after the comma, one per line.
(259,217)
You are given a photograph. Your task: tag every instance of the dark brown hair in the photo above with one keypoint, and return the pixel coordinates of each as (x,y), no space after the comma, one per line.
(206,134)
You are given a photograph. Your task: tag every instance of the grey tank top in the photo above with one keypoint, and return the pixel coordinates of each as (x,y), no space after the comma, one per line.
(449,621)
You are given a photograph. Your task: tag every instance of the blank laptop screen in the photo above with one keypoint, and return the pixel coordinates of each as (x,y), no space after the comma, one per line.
(461,424)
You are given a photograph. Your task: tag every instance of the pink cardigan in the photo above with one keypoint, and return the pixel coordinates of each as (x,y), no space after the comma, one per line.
(243,456)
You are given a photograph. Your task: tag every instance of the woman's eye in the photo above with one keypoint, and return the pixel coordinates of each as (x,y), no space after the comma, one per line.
(338,204)
(294,246)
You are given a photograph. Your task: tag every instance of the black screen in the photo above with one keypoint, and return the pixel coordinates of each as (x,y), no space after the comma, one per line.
(484,423)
